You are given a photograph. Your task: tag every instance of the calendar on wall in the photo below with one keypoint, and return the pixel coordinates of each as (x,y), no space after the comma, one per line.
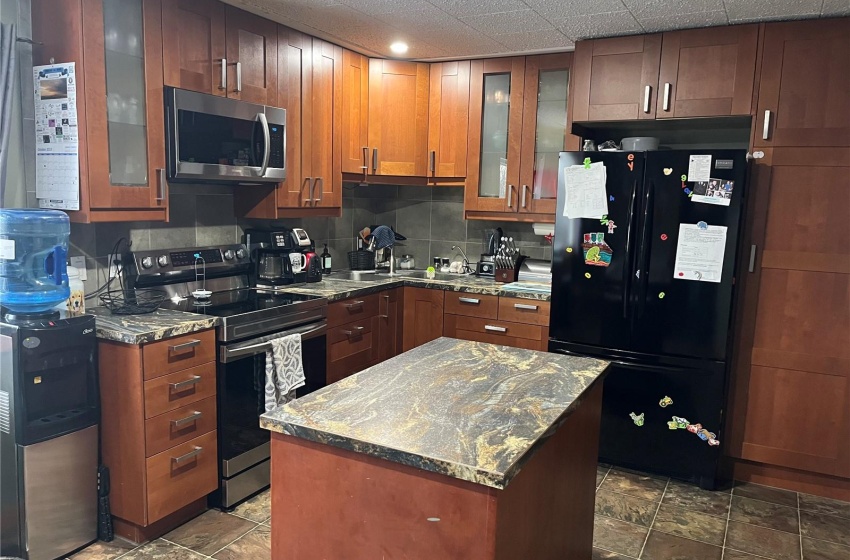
(57,160)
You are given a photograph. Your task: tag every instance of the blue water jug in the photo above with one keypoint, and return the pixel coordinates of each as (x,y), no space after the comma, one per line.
(33,249)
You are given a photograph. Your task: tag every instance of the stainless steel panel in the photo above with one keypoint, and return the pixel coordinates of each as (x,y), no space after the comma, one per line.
(260,345)
(60,493)
(241,462)
(249,482)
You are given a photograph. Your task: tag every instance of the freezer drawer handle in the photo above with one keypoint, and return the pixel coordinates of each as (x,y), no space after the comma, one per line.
(752,267)
(190,455)
(495,328)
(525,306)
(183,385)
(185,346)
(473,301)
(646,94)
(765,133)
(196,415)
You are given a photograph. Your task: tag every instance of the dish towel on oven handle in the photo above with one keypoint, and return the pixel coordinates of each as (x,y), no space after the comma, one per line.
(284,370)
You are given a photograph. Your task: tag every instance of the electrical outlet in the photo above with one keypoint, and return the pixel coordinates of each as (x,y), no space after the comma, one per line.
(80,264)
(114,267)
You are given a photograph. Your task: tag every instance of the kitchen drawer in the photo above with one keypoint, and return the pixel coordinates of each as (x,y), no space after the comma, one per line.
(352,309)
(179,389)
(180,352)
(472,305)
(457,327)
(522,310)
(493,328)
(181,475)
(351,348)
(179,426)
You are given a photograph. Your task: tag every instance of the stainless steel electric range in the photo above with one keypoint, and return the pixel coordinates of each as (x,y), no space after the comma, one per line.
(249,319)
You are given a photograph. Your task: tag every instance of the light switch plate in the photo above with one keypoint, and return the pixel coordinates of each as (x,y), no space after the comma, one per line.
(80,264)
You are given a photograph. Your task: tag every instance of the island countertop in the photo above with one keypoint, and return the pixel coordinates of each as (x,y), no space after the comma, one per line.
(469,410)
(148,327)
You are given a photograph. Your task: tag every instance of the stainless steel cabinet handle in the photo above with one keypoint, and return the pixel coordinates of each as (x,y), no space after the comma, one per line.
(525,306)
(354,304)
(181,385)
(161,185)
(365,165)
(238,77)
(319,182)
(473,301)
(495,329)
(196,415)
(667,96)
(184,346)
(765,133)
(524,188)
(646,94)
(190,455)
(433,163)
(310,185)
(753,249)
(355,330)
(223,84)
(510,199)
(387,316)
(374,160)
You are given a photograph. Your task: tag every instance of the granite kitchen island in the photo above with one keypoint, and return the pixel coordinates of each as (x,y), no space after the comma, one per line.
(455,449)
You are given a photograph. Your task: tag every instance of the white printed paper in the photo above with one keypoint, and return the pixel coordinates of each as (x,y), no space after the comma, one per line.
(57,176)
(713,191)
(699,253)
(699,168)
(7,249)
(585,191)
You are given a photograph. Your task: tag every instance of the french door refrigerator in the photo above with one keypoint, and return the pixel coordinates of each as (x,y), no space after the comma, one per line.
(620,293)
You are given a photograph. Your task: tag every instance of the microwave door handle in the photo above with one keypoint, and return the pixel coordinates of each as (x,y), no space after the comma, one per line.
(267,143)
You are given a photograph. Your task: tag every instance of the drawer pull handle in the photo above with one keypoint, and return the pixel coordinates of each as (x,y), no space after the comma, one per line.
(355,330)
(525,306)
(473,301)
(182,385)
(495,329)
(354,304)
(188,420)
(185,346)
(190,455)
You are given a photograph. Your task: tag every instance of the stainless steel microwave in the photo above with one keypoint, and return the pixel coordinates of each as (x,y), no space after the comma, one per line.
(215,139)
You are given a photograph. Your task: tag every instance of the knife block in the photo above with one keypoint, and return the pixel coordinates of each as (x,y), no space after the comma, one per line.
(506,275)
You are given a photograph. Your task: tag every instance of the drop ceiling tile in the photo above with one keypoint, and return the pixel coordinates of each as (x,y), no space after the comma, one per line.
(836,8)
(685,21)
(477,7)
(378,6)
(601,25)
(507,22)
(534,40)
(558,11)
(747,10)
(671,9)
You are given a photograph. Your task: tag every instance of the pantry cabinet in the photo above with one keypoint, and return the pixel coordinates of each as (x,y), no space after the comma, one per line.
(220,50)
(117,50)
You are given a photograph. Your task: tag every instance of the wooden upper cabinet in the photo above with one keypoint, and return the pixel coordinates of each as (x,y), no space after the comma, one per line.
(325,122)
(805,85)
(398,118)
(251,54)
(495,117)
(355,112)
(193,36)
(707,72)
(616,79)
(448,119)
(295,63)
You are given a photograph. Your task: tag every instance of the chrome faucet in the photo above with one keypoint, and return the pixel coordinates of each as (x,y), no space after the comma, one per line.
(465,263)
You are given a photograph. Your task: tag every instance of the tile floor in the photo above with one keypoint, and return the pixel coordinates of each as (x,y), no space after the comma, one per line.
(637,516)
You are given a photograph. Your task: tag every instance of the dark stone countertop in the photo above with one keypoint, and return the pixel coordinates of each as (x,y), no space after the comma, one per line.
(335,290)
(148,327)
(469,410)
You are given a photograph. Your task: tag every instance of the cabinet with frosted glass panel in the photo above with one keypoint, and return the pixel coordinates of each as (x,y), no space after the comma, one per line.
(518,124)
(117,50)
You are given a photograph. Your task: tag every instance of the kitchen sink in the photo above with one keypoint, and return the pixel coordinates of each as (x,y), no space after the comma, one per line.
(358,275)
(422,274)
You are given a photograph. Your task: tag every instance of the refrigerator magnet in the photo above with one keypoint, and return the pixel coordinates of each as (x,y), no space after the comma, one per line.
(587,275)
(713,441)
(714,191)
(661,295)
(681,423)
(638,419)
(665,402)
(631,162)
(668,170)
(672,425)
(610,198)
(663,237)
(694,428)
(569,249)
(596,251)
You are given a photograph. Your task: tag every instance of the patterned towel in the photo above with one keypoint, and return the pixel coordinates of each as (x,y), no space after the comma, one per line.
(384,237)
(284,370)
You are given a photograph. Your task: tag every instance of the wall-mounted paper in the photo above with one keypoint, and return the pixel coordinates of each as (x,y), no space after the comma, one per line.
(585,195)
(699,253)
(699,168)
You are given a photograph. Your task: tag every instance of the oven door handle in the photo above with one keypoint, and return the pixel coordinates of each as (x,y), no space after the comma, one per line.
(230,353)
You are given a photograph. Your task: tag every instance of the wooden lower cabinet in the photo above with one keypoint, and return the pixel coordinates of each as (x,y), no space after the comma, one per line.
(530,337)
(423,316)
(518,322)
(158,437)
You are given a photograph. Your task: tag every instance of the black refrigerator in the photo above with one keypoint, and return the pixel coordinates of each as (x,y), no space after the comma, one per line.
(653,293)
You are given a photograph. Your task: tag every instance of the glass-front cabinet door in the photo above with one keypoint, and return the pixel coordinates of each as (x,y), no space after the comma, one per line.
(495,122)
(545,132)
(124,109)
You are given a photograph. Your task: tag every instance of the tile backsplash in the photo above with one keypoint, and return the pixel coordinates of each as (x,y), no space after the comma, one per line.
(430,217)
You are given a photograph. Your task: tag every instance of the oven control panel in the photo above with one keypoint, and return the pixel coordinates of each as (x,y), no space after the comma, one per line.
(174,261)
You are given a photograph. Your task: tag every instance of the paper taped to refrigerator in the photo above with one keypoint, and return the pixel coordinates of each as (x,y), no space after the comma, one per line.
(699,168)
(585,195)
(699,253)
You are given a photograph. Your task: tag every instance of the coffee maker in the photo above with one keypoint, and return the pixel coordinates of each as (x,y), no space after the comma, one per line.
(283,256)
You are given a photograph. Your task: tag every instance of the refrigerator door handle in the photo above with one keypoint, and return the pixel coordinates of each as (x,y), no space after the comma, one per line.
(645,243)
(627,269)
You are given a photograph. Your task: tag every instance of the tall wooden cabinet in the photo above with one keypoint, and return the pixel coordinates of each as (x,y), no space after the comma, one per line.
(448,119)
(355,113)
(118,56)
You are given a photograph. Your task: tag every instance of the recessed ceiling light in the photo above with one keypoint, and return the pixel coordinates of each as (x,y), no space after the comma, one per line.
(399,47)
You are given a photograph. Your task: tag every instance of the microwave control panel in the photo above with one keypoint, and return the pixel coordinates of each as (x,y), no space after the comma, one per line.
(276,132)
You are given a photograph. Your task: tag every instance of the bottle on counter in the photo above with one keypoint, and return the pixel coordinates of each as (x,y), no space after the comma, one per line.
(326,260)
